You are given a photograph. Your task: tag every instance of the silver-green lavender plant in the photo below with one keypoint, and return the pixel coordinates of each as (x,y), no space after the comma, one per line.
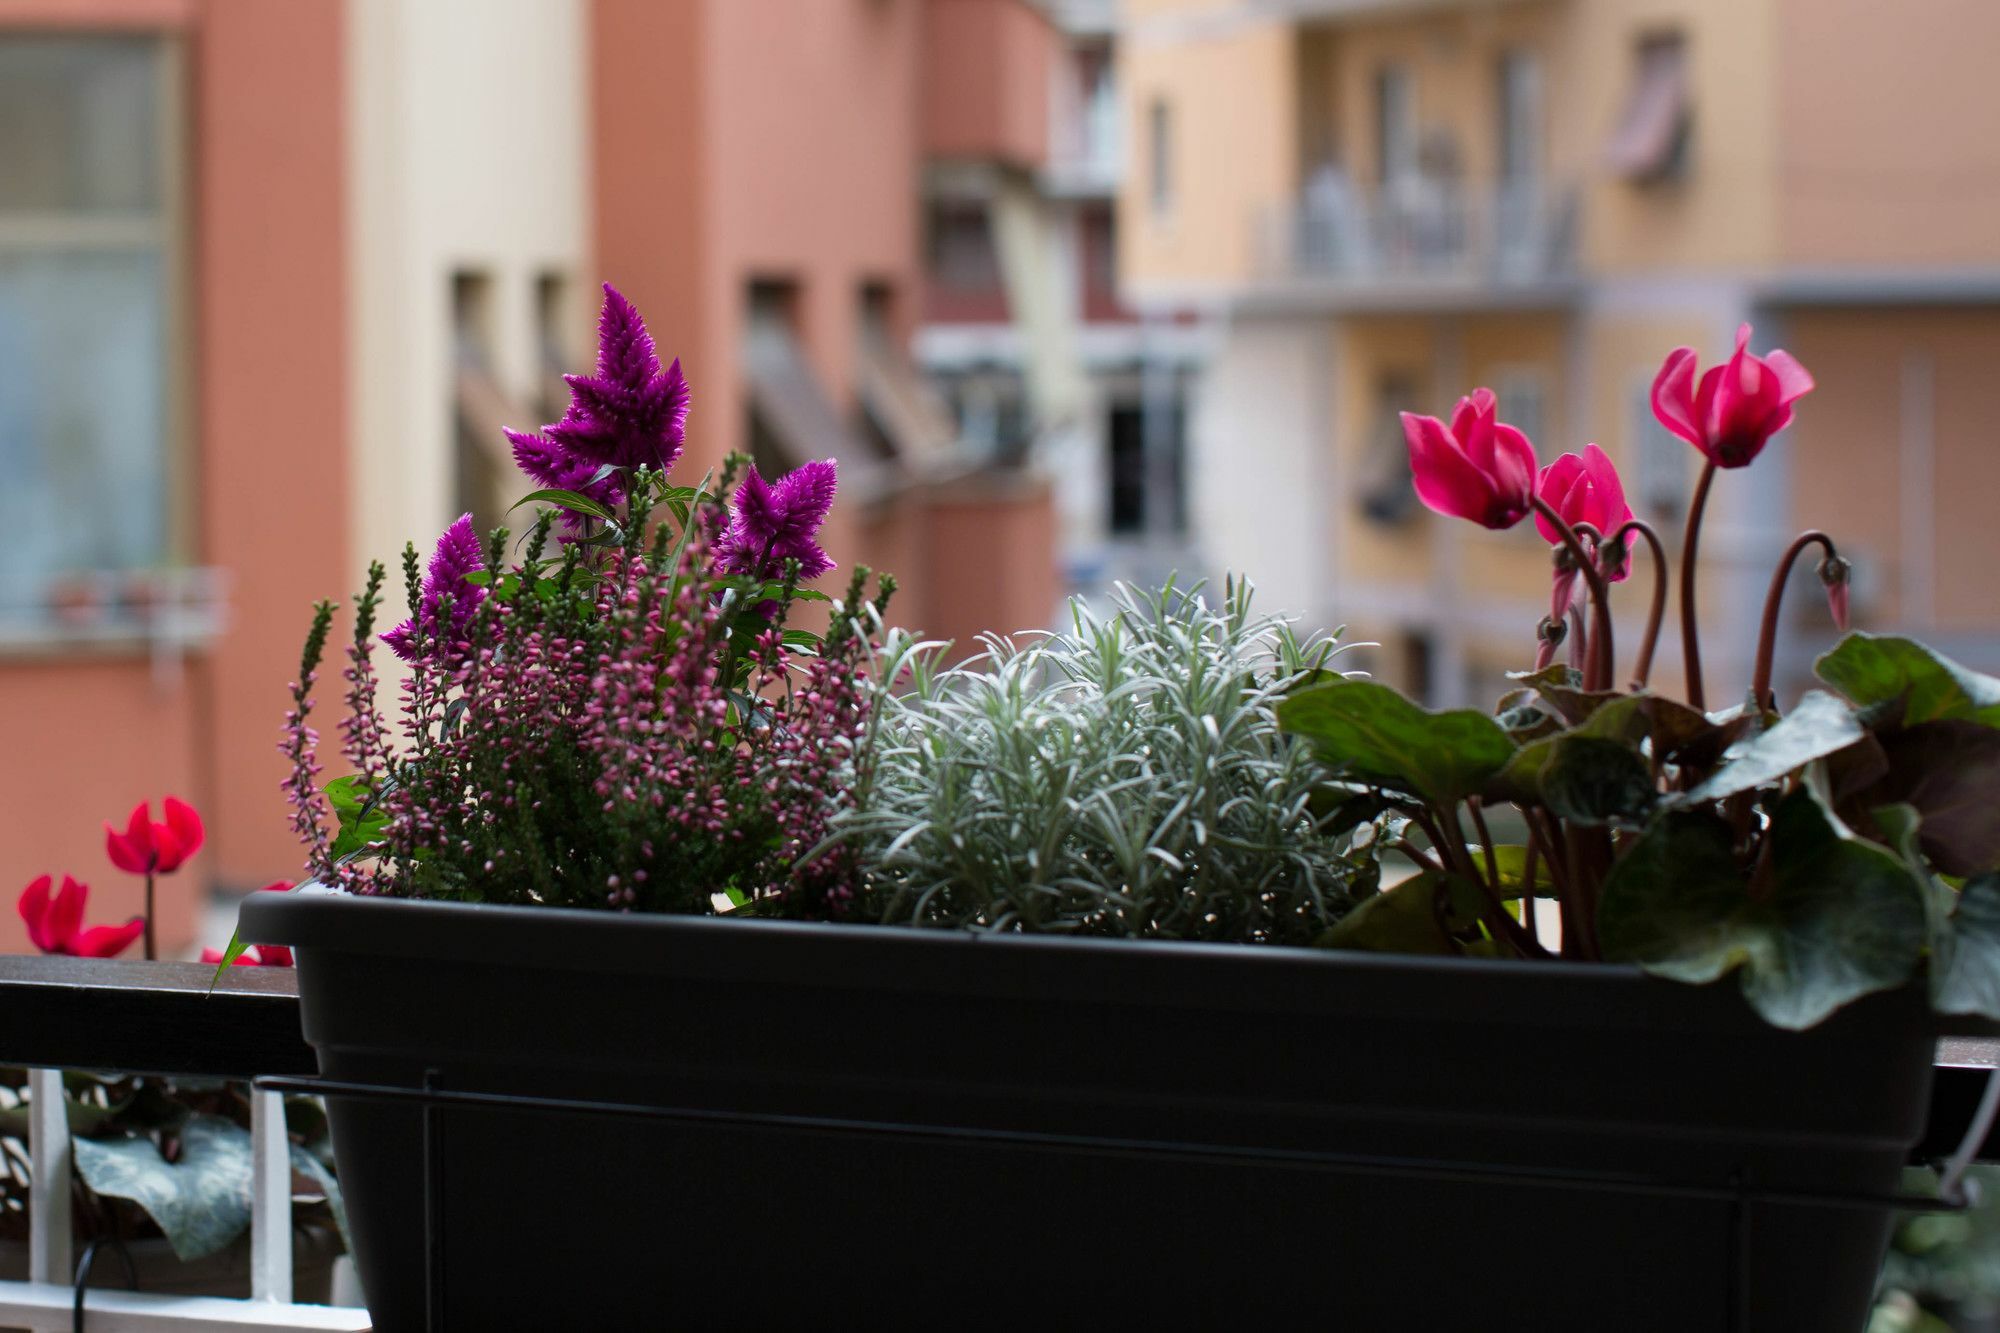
(1126,778)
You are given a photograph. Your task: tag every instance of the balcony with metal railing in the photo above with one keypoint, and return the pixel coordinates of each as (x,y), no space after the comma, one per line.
(1420,244)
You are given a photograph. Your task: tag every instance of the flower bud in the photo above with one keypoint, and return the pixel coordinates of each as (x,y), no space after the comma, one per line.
(1834,572)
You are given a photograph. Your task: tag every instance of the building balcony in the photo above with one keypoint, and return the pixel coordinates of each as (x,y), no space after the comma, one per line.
(1419,244)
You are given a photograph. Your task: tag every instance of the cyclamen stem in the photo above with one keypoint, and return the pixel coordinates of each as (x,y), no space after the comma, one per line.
(1643,668)
(1690,631)
(1767,637)
(1597,658)
(152,946)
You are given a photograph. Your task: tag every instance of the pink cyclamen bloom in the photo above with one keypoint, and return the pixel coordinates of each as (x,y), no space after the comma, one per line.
(146,847)
(55,923)
(1738,405)
(1582,489)
(1476,468)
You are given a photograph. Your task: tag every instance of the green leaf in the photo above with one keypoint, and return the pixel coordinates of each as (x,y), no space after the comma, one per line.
(1839,918)
(308,1164)
(1874,670)
(571,500)
(1403,918)
(1965,962)
(201,1201)
(1592,781)
(1819,726)
(1374,735)
(230,953)
(358,809)
(1621,722)
(1949,772)
(1512,864)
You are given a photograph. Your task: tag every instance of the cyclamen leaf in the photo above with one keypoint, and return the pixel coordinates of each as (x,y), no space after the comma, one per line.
(1403,918)
(201,1202)
(1820,725)
(1371,733)
(1965,963)
(1840,918)
(1873,670)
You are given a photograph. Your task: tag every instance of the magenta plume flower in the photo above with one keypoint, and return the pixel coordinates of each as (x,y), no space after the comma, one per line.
(1477,468)
(458,554)
(778,521)
(630,414)
(1737,407)
(554,466)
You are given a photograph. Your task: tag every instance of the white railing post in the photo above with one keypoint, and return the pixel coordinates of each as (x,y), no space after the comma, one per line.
(49,1258)
(270,1199)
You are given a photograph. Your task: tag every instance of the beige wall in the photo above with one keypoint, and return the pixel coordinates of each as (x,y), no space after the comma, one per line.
(987,71)
(1234,158)
(1887,115)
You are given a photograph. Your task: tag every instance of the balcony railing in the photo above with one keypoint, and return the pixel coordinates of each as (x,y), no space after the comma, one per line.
(153,1018)
(1421,235)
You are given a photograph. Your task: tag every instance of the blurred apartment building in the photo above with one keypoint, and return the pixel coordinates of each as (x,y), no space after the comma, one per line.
(274,272)
(1389,202)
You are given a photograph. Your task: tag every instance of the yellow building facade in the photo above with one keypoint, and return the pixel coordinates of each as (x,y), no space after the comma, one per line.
(1385,203)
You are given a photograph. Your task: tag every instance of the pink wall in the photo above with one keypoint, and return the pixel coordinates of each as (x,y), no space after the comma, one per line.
(267,272)
(987,71)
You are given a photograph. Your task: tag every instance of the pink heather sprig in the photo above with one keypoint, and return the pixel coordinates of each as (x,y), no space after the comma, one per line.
(300,745)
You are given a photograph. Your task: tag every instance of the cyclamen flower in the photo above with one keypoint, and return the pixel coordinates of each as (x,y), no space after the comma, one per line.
(1582,489)
(1739,405)
(630,414)
(778,521)
(55,924)
(257,955)
(1477,468)
(146,848)
(458,554)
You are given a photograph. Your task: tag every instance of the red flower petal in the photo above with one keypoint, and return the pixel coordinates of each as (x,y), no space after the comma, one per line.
(132,850)
(185,822)
(65,916)
(33,905)
(108,941)
(1445,479)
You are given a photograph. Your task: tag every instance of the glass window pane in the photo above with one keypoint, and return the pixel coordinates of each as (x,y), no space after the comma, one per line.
(79,124)
(82,421)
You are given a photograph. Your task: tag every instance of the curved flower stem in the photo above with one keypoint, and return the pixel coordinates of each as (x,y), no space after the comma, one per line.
(1597,661)
(1643,668)
(1579,640)
(1767,637)
(1529,865)
(1690,633)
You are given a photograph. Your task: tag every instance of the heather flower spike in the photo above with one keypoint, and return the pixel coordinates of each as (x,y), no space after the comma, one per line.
(779,521)
(1738,405)
(630,414)
(458,553)
(1476,468)
(55,922)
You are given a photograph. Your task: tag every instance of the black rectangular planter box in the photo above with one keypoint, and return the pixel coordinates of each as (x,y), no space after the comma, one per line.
(851,1127)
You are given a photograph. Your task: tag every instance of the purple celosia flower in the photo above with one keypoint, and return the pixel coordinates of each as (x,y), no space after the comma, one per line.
(552,465)
(630,413)
(458,554)
(779,521)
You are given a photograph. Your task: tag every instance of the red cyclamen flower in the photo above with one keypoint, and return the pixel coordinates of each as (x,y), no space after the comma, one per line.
(257,955)
(458,553)
(146,847)
(1738,406)
(629,414)
(55,923)
(1476,468)
(779,521)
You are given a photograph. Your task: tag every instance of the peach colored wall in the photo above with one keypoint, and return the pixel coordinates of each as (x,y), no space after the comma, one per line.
(267,266)
(1887,153)
(989,563)
(987,66)
(272,404)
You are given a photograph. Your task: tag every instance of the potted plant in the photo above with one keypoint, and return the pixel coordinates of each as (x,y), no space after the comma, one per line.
(1085,1098)
(163,1166)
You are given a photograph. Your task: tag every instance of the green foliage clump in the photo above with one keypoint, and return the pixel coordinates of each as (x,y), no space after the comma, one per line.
(1127,778)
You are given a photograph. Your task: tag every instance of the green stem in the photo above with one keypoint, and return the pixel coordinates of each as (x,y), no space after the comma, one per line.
(1597,661)
(1767,637)
(1690,632)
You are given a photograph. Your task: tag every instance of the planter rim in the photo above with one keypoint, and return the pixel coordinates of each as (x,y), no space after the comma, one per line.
(897,959)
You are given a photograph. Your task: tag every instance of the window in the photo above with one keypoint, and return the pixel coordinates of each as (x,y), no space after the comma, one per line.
(1522,394)
(88,214)
(1651,142)
(1520,118)
(1160,147)
(1395,125)
(1384,464)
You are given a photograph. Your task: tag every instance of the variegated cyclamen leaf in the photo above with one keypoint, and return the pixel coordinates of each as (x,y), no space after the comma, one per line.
(201,1202)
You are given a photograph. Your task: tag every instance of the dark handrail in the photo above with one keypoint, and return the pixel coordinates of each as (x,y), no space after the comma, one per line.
(150,1018)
